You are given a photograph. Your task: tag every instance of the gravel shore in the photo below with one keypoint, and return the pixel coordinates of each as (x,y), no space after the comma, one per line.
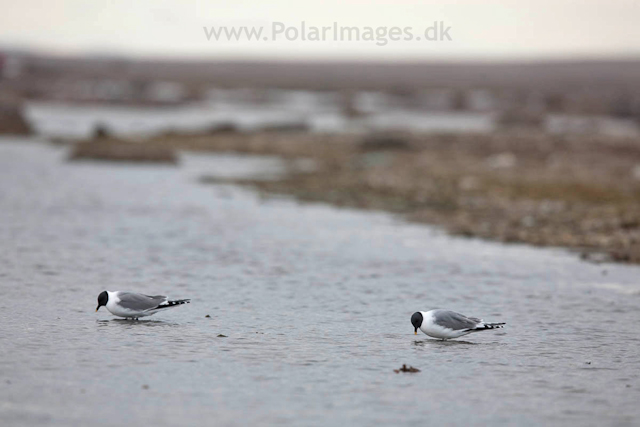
(580,191)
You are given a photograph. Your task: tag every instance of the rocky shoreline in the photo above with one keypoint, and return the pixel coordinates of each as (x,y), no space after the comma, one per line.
(581,192)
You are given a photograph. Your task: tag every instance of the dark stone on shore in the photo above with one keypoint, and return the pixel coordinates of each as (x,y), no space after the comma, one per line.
(101,132)
(12,120)
(383,142)
(223,128)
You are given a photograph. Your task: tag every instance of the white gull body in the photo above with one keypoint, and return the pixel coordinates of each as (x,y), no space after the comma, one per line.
(447,324)
(133,305)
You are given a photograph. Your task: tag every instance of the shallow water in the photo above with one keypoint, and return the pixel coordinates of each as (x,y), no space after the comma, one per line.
(73,121)
(315,303)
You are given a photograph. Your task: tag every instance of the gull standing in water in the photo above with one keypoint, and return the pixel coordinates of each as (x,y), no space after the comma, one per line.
(446,324)
(133,305)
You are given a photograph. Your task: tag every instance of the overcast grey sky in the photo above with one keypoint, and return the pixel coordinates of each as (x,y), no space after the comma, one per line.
(508,29)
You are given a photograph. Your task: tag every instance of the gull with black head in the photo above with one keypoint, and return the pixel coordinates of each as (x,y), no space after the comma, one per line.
(131,305)
(446,324)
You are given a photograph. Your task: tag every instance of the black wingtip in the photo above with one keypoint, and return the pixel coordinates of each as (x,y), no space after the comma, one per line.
(174,303)
(179,301)
(493,325)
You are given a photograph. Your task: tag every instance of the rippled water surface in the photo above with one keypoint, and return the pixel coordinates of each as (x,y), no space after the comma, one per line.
(314,302)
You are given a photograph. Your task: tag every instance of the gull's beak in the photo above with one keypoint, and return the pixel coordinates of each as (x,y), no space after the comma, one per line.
(415,332)
(97,309)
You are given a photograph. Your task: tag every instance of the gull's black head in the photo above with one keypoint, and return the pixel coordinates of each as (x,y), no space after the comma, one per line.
(102,299)
(416,320)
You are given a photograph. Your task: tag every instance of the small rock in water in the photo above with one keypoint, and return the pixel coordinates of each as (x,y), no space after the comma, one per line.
(588,363)
(222,336)
(207,316)
(405,369)
(145,387)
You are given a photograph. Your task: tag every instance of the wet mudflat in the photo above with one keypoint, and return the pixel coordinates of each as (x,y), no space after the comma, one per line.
(314,303)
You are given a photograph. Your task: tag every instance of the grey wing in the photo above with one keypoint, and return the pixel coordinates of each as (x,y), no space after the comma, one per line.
(140,302)
(455,321)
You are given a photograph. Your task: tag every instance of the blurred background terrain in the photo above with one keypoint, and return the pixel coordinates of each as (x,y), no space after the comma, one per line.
(283,185)
(543,152)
